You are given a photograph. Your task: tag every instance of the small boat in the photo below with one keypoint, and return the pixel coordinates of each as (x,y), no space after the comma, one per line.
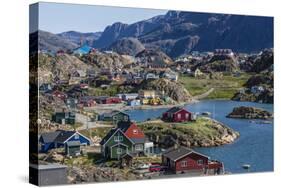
(206,113)
(246,166)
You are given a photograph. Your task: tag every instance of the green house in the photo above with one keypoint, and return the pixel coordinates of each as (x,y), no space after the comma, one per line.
(115,117)
(115,144)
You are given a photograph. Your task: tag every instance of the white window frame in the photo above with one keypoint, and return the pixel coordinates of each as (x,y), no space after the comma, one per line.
(139,147)
(118,138)
(135,131)
(76,136)
(119,151)
(187,116)
(183,163)
(126,118)
(179,115)
(200,162)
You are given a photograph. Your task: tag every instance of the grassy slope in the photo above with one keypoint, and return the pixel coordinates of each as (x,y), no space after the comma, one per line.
(202,127)
(224,89)
(99,131)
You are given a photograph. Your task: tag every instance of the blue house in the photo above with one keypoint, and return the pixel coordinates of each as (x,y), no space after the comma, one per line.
(60,139)
(45,88)
(85,49)
(134,103)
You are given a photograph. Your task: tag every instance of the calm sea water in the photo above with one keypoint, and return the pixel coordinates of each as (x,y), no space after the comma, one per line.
(253,147)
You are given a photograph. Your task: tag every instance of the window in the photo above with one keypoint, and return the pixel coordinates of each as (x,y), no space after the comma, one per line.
(184,164)
(179,116)
(126,118)
(186,116)
(135,131)
(76,136)
(118,138)
(119,151)
(114,117)
(139,147)
(200,162)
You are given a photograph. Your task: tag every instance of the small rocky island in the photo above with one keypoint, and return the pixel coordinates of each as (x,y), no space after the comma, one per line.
(204,132)
(245,112)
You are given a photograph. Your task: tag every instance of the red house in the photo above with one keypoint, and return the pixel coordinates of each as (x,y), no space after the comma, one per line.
(182,159)
(59,94)
(177,114)
(131,130)
(111,100)
(87,101)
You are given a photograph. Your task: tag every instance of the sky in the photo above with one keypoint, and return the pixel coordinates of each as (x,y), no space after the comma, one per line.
(59,17)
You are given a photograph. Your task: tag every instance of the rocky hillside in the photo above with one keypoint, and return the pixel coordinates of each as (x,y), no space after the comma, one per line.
(129,46)
(217,65)
(262,62)
(179,32)
(154,56)
(204,132)
(264,94)
(249,113)
(101,60)
(172,89)
(61,66)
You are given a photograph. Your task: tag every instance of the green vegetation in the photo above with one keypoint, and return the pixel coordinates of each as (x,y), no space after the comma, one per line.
(110,91)
(99,131)
(79,161)
(223,89)
(145,159)
(202,127)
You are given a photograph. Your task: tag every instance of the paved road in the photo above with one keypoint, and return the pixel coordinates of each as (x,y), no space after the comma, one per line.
(204,95)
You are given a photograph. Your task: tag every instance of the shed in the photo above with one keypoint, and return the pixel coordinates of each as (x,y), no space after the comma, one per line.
(72,148)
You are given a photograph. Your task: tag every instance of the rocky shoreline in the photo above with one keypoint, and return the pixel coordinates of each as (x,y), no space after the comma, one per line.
(210,133)
(245,112)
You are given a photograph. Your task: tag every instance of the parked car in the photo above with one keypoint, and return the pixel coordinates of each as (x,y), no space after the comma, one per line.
(144,166)
(157,168)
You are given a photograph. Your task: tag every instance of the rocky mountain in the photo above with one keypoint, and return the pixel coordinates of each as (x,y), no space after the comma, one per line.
(50,42)
(78,37)
(129,46)
(110,34)
(180,32)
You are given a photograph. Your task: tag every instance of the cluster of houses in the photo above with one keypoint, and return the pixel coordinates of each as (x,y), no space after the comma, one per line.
(126,141)
(256,90)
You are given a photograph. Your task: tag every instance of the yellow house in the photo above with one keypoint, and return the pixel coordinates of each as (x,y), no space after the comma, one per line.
(147,94)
